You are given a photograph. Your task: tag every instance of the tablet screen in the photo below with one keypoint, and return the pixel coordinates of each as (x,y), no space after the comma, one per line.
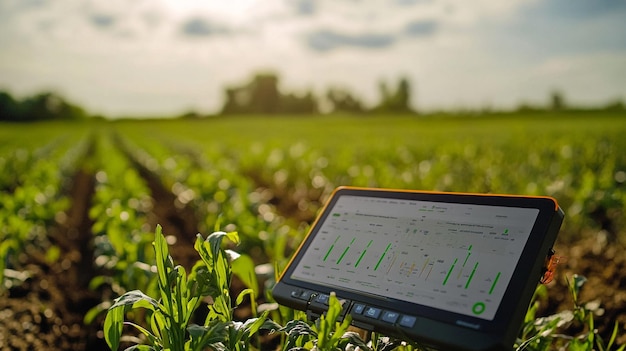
(451,256)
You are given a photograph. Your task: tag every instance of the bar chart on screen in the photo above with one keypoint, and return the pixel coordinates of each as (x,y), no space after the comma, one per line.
(457,255)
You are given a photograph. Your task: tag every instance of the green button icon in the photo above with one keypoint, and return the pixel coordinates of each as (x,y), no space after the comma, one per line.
(478,308)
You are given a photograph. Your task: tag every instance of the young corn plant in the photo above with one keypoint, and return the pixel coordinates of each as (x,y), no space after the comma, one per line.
(544,333)
(169,316)
(328,333)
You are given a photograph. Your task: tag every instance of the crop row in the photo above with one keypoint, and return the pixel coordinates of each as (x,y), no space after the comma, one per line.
(268,188)
(585,169)
(220,195)
(119,211)
(32,193)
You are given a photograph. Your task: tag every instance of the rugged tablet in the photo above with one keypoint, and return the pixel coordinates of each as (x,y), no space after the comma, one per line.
(453,271)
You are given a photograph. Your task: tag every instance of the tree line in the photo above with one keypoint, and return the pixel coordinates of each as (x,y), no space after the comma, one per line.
(261,95)
(40,107)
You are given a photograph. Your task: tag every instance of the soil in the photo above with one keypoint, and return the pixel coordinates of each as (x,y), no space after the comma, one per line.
(603,264)
(47,310)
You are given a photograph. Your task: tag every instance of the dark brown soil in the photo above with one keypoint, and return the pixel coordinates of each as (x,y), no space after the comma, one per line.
(603,264)
(176,220)
(46,311)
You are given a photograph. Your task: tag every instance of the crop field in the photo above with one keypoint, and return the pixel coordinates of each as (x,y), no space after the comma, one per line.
(79,202)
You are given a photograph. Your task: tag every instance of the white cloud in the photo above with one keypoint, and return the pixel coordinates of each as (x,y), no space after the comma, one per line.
(580,77)
(133,57)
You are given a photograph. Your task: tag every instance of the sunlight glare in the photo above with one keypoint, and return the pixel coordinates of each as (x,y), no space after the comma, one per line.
(230,9)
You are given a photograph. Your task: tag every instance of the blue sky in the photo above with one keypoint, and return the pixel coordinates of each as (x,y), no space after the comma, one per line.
(157,57)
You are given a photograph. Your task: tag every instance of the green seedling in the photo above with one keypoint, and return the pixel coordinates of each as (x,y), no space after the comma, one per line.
(169,315)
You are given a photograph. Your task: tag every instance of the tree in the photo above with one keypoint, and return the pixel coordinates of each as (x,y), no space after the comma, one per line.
(305,104)
(50,106)
(398,101)
(557,102)
(43,106)
(262,96)
(341,100)
(403,96)
(8,107)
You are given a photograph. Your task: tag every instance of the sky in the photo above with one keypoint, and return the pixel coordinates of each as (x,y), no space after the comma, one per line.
(156,57)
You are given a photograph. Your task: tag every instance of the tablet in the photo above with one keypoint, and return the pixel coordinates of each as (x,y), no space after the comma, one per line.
(453,271)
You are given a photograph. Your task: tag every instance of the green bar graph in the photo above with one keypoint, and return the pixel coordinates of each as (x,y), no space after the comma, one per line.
(382,256)
(449,272)
(467,257)
(493,286)
(363,253)
(471,276)
(345,251)
(469,252)
(331,248)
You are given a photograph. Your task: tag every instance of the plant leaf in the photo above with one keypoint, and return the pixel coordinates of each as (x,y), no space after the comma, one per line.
(212,336)
(243,294)
(252,325)
(243,266)
(113,324)
(144,331)
(355,339)
(136,299)
(140,348)
(298,334)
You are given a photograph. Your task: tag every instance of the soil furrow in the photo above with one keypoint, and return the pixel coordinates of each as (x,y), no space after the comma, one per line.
(178,221)
(47,310)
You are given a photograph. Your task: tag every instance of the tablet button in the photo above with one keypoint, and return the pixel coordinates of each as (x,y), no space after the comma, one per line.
(390,317)
(358,308)
(301,294)
(407,321)
(322,298)
(372,312)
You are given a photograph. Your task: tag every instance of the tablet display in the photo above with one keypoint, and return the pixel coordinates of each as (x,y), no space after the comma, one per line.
(455,257)
(425,265)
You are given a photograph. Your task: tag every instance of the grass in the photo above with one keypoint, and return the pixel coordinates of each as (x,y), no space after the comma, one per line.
(363,130)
